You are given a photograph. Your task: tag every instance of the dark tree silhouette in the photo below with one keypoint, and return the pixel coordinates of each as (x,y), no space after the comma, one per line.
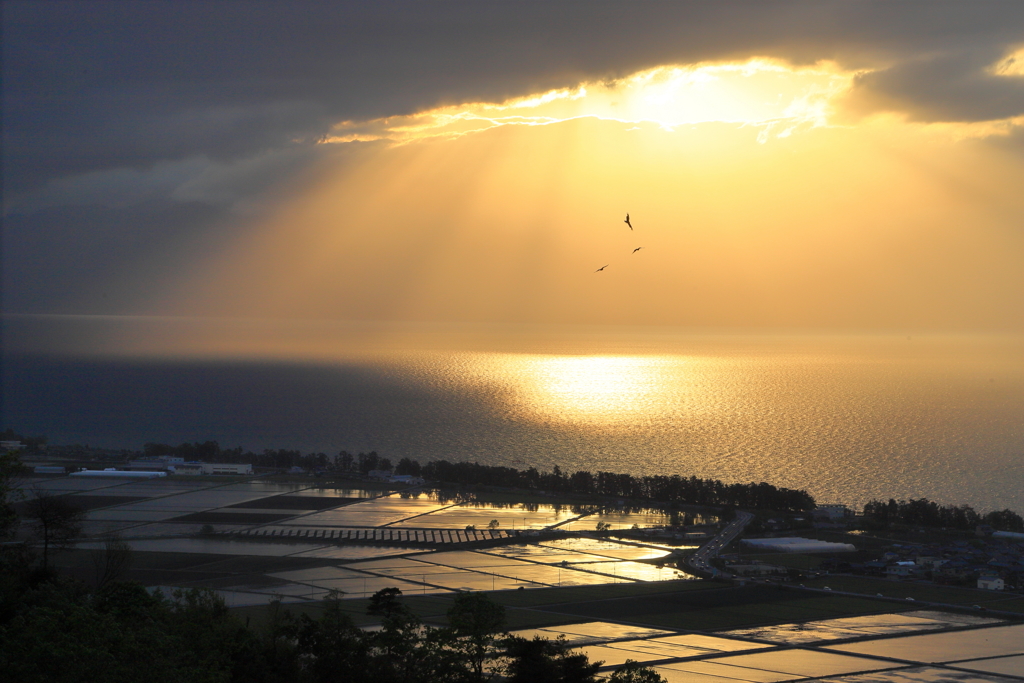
(57,521)
(475,621)
(113,563)
(547,661)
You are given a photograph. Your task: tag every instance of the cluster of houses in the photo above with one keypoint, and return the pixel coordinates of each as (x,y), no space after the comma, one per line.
(994,562)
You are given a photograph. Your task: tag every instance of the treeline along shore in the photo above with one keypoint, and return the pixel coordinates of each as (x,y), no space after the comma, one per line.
(657,488)
(661,489)
(654,490)
(645,489)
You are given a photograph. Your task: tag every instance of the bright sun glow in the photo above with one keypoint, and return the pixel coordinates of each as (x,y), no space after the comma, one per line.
(761,92)
(602,390)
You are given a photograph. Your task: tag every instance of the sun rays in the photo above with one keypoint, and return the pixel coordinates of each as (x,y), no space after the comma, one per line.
(759,92)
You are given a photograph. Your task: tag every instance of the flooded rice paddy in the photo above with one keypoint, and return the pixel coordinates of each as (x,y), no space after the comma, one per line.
(415,540)
(995,652)
(257,541)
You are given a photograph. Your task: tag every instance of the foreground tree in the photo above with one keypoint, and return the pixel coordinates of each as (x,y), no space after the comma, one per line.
(396,647)
(56,519)
(113,563)
(634,672)
(475,622)
(332,648)
(547,661)
(10,467)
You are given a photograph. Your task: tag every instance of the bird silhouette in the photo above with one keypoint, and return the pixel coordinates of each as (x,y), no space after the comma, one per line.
(627,222)
(602,268)
(637,249)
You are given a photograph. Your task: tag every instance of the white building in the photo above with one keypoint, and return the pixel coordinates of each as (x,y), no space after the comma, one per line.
(901,570)
(991,583)
(833,513)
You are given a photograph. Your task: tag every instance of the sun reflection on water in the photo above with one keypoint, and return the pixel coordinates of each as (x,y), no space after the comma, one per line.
(599,390)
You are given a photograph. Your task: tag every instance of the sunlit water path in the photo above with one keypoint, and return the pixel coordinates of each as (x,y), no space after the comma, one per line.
(849,420)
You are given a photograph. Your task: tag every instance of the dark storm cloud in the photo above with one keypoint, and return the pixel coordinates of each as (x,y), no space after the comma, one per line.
(948,87)
(91,86)
(133,109)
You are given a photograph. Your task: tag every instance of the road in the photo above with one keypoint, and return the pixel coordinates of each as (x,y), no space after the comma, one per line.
(700,561)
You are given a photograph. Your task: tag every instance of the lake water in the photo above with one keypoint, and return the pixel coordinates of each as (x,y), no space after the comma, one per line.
(847,418)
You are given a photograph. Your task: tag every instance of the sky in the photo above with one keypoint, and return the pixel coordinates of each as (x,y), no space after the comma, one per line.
(820,165)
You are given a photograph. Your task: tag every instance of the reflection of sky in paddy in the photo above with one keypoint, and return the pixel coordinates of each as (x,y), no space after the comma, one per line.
(386,563)
(702,642)
(856,627)
(594,632)
(479,515)
(420,569)
(640,571)
(469,558)
(660,649)
(711,672)
(473,581)
(554,576)
(607,630)
(591,632)
(550,634)
(948,617)
(351,552)
(922,674)
(611,656)
(478,570)
(568,558)
(610,549)
(501,573)
(269,488)
(805,663)
(945,647)
(207,545)
(1011,666)
(540,553)
(338,493)
(620,520)
(372,513)
(604,564)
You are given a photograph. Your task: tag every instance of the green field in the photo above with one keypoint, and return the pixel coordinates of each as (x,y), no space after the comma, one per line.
(679,605)
(948,595)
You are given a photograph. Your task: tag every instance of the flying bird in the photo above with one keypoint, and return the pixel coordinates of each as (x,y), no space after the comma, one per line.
(637,249)
(627,222)
(602,268)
